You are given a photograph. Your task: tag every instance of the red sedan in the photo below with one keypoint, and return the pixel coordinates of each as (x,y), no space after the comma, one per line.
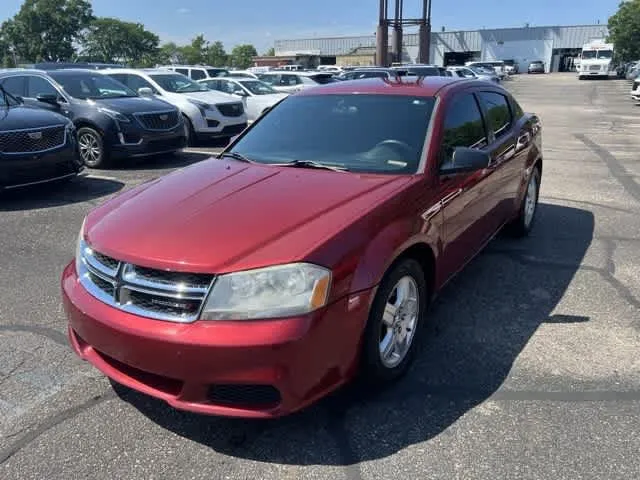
(255,283)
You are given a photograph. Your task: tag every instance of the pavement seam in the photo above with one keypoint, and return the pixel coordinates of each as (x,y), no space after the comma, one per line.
(50,423)
(615,167)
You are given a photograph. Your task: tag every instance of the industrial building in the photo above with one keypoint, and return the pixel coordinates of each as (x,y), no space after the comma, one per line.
(555,46)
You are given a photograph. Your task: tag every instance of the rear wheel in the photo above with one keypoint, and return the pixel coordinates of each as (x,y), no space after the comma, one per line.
(394,323)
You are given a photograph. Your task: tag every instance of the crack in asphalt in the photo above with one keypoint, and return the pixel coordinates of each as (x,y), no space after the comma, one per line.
(50,333)
(592,204)
(615,167)
(53,421)
(607,273)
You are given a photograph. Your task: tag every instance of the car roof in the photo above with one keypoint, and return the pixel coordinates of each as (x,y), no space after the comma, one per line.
(418,86)
(34,71)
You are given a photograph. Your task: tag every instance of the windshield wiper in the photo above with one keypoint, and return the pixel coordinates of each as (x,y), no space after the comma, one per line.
(236,156)
(310,164)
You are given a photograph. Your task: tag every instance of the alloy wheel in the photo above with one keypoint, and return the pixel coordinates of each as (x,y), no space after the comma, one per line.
(399,322)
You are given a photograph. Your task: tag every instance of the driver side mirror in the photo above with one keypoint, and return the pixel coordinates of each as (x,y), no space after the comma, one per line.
(465,160)
(240,93)
(145,92)
(49,98)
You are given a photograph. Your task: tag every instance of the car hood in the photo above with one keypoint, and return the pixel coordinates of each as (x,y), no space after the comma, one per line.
(219,216)
(133,104)
(16,118)
(211,96)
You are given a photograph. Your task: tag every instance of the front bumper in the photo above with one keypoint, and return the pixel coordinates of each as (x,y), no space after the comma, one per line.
(136,142)
(272,367)
(28,169)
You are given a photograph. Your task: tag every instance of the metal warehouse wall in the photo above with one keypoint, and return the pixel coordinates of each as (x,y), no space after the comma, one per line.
(462,41)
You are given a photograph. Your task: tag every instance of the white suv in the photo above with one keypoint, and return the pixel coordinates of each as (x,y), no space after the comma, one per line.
(199,72)
(207,113)
(291,82)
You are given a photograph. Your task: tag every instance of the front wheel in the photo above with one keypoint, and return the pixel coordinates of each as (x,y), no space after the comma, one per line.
(91,146)
(394,323)
(523,224)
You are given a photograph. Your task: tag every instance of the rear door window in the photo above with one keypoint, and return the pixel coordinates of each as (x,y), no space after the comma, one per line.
(16,86)
(197,74)
(499,118)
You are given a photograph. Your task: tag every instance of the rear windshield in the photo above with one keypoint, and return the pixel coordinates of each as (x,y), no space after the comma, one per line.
(322,79)
(355,132)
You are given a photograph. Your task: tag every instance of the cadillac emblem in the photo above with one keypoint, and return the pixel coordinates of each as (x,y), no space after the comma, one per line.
(164,117)
(35,135)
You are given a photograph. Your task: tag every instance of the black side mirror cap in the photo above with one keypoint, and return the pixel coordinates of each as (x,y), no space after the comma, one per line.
(465,160)
(47,98)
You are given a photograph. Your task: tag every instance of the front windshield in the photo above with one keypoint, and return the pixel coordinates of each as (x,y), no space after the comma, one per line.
(177,83)
(91,86)
(588,54)
(362,133)
(257,87)
(605,54)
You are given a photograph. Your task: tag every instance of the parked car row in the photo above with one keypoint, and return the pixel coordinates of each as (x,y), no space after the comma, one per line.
(115,113)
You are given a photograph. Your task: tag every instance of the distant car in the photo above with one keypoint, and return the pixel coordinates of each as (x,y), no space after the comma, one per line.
(36,145)
(256,95)
(496,67)
(256,283)
(360,73)
(242,73)
(536,66)
(511,67)
(113,121)
(197,72)
(206,113)
(418,70)
(295,81)
(478,73)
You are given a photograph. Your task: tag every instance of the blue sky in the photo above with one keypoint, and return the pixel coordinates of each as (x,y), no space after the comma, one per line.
(260,22)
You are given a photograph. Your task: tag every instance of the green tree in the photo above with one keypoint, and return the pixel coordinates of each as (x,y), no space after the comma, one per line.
(624,30)
(112,40)
(216,55)
(195,53)
(242,55)
(270,52)
(170,53)
(47,29)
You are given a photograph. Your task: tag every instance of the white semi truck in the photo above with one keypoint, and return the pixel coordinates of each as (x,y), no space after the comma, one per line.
(595,59)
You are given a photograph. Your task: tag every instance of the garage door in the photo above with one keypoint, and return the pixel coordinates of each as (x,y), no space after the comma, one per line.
(523,52)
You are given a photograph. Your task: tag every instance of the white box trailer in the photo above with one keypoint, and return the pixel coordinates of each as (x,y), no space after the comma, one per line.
(596,59)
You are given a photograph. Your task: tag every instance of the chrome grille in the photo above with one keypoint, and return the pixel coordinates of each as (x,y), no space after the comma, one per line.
(32,140)
(231,109)
(594,68)
(158,294)
(159,120)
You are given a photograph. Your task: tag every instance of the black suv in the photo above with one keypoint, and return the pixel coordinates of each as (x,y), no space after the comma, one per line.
(36,146)
(112,120)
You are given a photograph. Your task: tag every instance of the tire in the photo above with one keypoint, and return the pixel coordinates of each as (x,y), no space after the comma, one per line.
(377,368)
(189,132)
(523,223)
(92,149)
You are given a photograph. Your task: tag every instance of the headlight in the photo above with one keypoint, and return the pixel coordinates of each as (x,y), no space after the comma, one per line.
(115,115)
(80,246)
(202,106)
(272,292)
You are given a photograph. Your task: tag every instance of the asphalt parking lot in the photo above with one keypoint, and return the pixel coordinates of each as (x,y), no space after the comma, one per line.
(530,369)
